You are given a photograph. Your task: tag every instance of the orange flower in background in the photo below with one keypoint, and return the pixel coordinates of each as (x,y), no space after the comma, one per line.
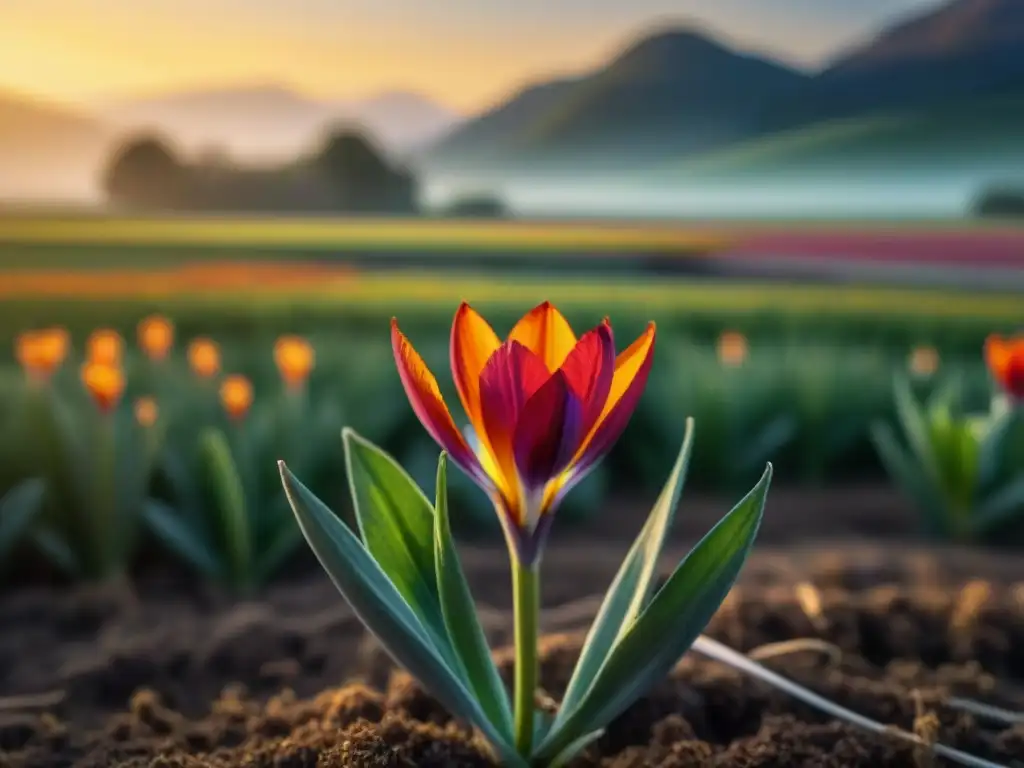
(1005,358)
(732,348)
(924,361)
(156,336)
(105,383)
(236,396)
(544,407)
(41,352)
(146,411)
(204,357)
(294,357)
(105,346)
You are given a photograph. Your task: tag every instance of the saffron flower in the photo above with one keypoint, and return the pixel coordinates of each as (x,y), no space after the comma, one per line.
(732,349)
(40,353)
(105,347)
(146,412)
(294,357)
(204,357)
(156,336)
(1005,358)
(236,396)
(105,382)
(543,408)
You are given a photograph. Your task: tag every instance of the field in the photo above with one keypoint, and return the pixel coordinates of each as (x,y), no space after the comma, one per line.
(167,607)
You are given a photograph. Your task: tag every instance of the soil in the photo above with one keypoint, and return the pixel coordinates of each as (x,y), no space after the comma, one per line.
(165,673)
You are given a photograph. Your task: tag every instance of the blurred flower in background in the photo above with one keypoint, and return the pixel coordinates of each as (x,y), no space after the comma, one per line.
(156,336)
(236,396)
(295,358)
(204,357)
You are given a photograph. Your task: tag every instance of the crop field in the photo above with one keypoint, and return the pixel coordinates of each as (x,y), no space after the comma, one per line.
(155,372)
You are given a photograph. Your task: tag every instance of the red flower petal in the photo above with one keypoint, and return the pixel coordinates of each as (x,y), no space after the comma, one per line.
(510,378)
(550,427)
(425,397)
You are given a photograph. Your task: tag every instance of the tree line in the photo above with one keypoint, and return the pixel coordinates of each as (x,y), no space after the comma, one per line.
(346,174)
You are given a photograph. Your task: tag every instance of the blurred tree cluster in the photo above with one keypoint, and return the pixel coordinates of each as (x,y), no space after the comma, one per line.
(347,174)
(1000,202)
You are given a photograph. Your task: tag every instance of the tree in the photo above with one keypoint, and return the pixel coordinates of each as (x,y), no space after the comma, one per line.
(1000,202)
(362,179)
(145,173)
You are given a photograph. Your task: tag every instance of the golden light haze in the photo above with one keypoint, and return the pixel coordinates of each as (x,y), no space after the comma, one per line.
(81,55)
(463,53)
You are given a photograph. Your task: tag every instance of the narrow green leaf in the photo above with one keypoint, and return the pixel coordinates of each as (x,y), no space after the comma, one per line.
(571,751)
(171,530)
(676,615)
(911,478)
(1000,508)
(630,590)
(460,617)
(997,426)
(19,508)
(230,504)
(282,546)
(396,522)
(58,551)
(380,607)
(917,430)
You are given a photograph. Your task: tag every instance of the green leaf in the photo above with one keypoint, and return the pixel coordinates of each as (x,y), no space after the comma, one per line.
(460,617)
(58,551)
(380,607)
(171,530)
(676,615)
(18,510)
(573,749)
(629,592)
(231,509)
(911,478)
(917,430)
(396,522)
(1000,508)
(280,548)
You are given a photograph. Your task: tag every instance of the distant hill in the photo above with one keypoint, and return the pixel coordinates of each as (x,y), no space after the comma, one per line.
(47,151)
(677,90)
(680,93)
(981,136)
(269,121)
(965,49)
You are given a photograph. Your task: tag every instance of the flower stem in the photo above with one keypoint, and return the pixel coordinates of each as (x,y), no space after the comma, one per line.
(526,600)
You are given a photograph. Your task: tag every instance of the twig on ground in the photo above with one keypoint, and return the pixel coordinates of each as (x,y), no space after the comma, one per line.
(31,701)
(723,653)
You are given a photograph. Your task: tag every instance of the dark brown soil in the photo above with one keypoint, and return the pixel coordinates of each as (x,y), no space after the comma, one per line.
(166,674)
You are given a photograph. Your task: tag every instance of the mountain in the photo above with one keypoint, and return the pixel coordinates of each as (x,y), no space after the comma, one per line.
(962,50)
(979,136)
(674,91)
(271,121)
(48,151)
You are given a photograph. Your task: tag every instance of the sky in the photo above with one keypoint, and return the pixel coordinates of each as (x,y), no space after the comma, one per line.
(465,54)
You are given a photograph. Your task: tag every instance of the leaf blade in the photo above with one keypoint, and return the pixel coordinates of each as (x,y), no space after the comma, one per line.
(19,508)
(380,607)
(396,523)
(679,611)
(460,616)
(631,587)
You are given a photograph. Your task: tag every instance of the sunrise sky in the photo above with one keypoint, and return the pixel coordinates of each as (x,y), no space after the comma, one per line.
(462,53)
